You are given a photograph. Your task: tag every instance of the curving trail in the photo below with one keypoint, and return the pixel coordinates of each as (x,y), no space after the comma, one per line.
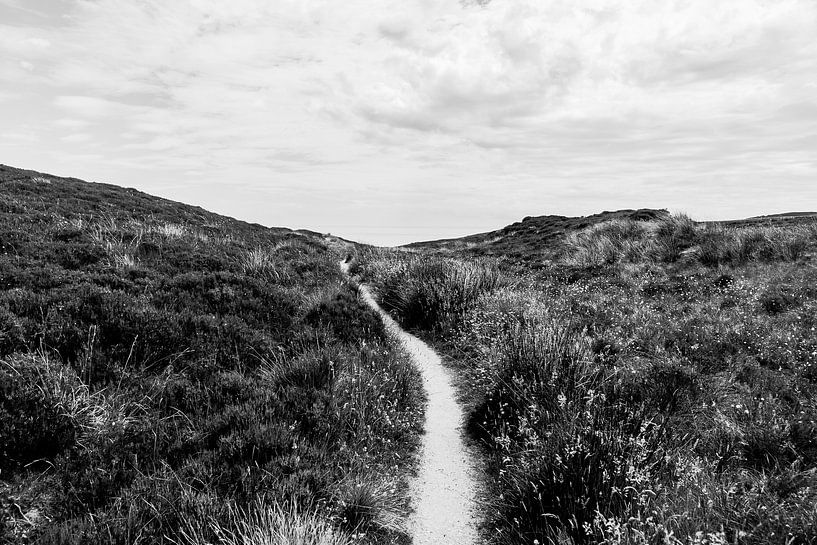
(444,492)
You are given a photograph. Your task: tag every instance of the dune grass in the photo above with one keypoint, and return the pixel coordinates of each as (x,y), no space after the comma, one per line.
(430,293)
(168,375)
(654,384)
(670,239)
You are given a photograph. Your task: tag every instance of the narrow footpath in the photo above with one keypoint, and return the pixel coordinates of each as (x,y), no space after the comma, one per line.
(444,492)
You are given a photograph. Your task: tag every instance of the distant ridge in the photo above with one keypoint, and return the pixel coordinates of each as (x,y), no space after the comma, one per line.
(534,237)
(785,218)
(785,215)
(528,239)
(90,197)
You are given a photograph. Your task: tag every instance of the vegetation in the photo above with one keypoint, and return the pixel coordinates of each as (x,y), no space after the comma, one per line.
(648,382)
(168,375)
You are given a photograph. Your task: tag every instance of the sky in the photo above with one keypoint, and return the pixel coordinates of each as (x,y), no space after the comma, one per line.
(388,122)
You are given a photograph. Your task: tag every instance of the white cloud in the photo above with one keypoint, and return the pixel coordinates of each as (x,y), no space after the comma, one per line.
(568,105)
(18,137)
(77,138)
(87,106)
(72,123)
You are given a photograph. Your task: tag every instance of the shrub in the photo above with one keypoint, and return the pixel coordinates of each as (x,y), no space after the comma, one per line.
(79,256)
(433,294)
(348,318)
(268,524)
(158,319)
(667,386)
(314,368)
(33,425)
(737,245)
(606,243)
(778,299)
(675,234)
(564,449)
(362,507)
(261,262)
(681,417)
(12,335)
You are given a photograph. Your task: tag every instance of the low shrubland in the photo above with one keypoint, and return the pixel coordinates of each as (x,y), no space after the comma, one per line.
(671,239)
(429,293)
(172,376)
(636,389)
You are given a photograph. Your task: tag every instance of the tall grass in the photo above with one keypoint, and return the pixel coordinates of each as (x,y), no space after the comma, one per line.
(607,243)
(669,239)
(431,293)
(661,400)
(260,524)
(673,235)
(363,506)
(260,262)
(563,447)
(733,246)
(166,369)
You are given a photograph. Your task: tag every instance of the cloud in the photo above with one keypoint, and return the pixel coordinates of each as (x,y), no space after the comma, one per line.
(18,137)
(72,123)
(94,107)
(77,138)
(513,64)
(515,102)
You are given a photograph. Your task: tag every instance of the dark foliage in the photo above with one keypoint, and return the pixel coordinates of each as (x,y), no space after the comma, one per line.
(158,364)
(347,317)
(653,384)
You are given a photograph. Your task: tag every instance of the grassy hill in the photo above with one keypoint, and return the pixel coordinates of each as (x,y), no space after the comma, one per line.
(538,238)
(638,378)
(169,375)
(530,239)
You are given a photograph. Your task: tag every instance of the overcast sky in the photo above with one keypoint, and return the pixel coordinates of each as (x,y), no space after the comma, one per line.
(387,121)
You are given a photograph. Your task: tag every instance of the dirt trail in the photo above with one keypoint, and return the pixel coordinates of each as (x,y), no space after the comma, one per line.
(445,490)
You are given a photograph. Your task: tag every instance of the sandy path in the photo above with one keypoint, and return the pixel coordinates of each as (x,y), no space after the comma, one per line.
(444,492)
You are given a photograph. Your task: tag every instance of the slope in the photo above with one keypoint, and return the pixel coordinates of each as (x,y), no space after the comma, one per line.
(530,239)
(169,375)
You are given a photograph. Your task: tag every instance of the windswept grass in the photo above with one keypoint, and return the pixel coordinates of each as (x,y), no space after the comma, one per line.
(259,524)
(730,246)
(168,375)
(431,293)
(674,237)
(260,262)
(655,383)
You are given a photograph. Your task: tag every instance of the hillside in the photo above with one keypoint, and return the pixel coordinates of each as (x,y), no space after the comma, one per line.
(538,238)
(649,382)
(530,239)
(170,375)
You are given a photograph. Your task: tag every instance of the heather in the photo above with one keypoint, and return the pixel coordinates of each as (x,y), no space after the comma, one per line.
(646,382)
(168,375)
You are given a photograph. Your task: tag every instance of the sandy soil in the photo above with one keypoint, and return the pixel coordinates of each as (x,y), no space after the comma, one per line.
(445,490)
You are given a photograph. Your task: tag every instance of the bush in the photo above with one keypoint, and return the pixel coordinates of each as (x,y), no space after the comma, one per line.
(778,299)
(737,245)
(674,235)
(12,334)
(565,450)
(667,387)
(680,417)
(607,243)
(366,507)
(433,294)
(160,321)
(347,317)
(34,425)
(259,523)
